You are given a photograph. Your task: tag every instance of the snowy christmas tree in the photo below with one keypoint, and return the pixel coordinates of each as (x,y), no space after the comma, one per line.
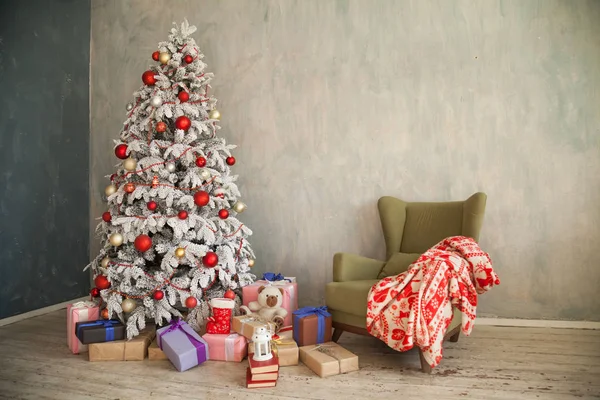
(171,237)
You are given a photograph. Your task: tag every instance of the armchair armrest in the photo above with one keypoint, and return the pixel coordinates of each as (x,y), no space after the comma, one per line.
(352,267)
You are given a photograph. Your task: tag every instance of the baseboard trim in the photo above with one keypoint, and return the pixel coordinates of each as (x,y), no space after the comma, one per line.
(40,311)
(537,323)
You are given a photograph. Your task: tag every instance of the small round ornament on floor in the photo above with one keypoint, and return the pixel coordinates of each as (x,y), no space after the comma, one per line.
(110,190)
(191,302)
(106,217)
(101,282)
(121,151)
(116,239)
(128,305)
(148,78)
(143,243)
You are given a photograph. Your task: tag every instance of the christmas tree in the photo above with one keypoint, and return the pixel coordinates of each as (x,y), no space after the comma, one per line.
(171,237)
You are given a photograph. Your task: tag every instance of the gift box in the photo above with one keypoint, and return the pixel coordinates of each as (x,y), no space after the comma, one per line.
(135,349)
(312,325)
(290,289)
(155,353)
(328,359)
(226,347)
(81,311)
(284,346)
(246,324)
(100,331)
(182,345)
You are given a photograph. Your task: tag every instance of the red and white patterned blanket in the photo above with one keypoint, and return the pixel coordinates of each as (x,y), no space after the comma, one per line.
(415,307)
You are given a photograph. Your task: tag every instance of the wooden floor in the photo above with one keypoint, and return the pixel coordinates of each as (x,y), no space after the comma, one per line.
(494,363)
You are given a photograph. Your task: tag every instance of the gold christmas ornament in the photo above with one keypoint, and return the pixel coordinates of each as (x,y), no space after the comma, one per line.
(104,262)
(239,207)
(128,305)
(164,58)
(110,189)
(205,175)
(180,252)
(214,114)
(130,164)
(251,262)
(116,239)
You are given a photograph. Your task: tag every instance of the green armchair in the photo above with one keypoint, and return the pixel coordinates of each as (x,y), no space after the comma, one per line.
(409,229)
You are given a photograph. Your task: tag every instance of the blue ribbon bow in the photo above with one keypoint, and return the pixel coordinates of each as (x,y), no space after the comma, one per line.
(321,313)
(272,277)
(109,325)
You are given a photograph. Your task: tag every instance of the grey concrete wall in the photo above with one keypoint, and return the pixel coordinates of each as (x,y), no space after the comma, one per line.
(44,149)
(336,103)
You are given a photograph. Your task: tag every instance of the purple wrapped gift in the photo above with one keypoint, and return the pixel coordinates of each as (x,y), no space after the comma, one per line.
(182,345)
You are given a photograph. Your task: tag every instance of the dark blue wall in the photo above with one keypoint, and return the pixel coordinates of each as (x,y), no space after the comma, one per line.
(44,135)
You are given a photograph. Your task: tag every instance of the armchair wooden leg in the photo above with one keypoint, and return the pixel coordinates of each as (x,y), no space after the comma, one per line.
(337,332)
(424,366)
(454,338)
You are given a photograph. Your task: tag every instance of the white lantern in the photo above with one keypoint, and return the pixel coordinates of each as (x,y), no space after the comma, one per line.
(262,344)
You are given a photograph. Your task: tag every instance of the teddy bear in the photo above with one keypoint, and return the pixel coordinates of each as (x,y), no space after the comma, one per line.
(268,305)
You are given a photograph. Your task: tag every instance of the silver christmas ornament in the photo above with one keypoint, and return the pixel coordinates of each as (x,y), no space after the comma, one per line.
(205,175)
(170,167)
(239,207)
(156,101)
(129,106)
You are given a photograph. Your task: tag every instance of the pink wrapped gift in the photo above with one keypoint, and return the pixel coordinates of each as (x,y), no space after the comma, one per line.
(79,312)
(290,296)
(226,347)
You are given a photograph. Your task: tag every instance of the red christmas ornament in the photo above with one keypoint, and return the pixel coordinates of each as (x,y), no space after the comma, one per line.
(129,187)
(182,214)
(155,55)
(230,160)
(101,282)
(106,217)
(151,205)
(183,96)
(183,123)
(142,243)
(201,161)
(210,260)
(191,302)
(121,151)
(158,295)
(201,198)
(188,59)
(161,127)
(104,313)
(95,292)
(148,78)
(223,214)
(229,294)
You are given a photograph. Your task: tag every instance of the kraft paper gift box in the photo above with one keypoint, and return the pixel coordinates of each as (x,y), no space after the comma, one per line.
(155,353)
(79,312)
(182,345)
(290,297)
(284,346)
(312,325)
(100,331)
(226,347)
(246,324)
(328,359)
(135,349)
